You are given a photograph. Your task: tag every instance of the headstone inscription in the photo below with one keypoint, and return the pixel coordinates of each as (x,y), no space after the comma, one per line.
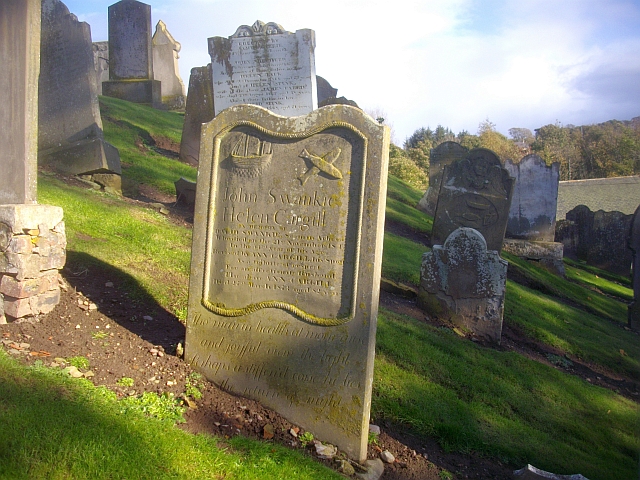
(634,246)
(32,238)
(70,136)
(464,282)
(444,154)
(130,54)
(475,192)
(267,66)
(286,263)
(165,67)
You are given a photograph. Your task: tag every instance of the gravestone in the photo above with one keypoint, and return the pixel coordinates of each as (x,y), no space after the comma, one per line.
(70,136)
(286,260)
(101,63)
(267,66)
(463,282)
(198,110)
(475,192)
(634,246)
(32,238)
(130,54)
(532,217)
(165,67)
(325,90)
(598,238)
(444,154)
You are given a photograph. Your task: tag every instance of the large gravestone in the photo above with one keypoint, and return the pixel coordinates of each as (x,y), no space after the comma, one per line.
(130,54)
(532,217)
(32,238)
(286,260)
(634,246)
(70,136)
(198,110)
(267,66)
(598,238)
(444,154)
(461,281)
(475,192)
(165,67)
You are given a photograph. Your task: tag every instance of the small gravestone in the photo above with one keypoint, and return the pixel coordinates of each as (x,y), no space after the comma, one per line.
(267,66)
(70,136)
(165,67)
(532,217)
(475,192)
(286,260)
(463,282)
(198,110)
(598,238)
(634,246)
(130,54)
(444,154)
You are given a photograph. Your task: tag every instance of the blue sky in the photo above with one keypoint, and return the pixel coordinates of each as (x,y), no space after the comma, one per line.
(419,63)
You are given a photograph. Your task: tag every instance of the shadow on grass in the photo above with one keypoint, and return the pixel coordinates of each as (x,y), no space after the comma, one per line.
(126,302)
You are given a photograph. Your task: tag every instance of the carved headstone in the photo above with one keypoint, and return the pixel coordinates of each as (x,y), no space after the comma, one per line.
(465,283)
(599,238)
(267,66)
(476,193)
(444,154)
(130,54)
(70,136)
(199,110)
(634,246)
(165,67)
(286,263)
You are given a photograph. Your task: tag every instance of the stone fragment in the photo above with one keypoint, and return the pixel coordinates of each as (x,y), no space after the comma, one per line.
(532,473)
(387,457)
(345,467)
(325,451)
(374,429)
(375,469)
(463,282)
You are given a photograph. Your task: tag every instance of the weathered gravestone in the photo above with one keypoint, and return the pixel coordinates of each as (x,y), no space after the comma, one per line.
(165,67)
(532,217)
(463,282)
(598,238)
(286,260)
(32,238)
(267,66)
(475,192)
(130,54)
(444,154)
(634,246)
(198,110)
(70,136)
(101,63)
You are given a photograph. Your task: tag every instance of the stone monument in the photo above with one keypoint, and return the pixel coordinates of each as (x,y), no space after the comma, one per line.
(32,238)
(286,259)
(634,246)
(475,192)
(165,67)
(444,154)
(461,281)
(130,54)
(198,110)
(101,63)
(532,218)
(70,136)
(267,66)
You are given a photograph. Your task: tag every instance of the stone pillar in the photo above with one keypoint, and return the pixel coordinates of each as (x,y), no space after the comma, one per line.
(32,237)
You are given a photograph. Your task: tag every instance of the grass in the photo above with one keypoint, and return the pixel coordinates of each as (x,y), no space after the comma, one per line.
(403,213)
(500,404)
(401,259)
(400,190)
(596,282)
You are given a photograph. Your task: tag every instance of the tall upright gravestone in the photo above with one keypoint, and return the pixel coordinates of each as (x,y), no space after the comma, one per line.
(70,136)
(165,67)
(267,66)
(286,261)
(634,246)
(32,238)
(130,54)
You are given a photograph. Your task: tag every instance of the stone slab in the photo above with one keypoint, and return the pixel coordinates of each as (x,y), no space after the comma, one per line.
(130,51)
(84,157)
(20,60)
(165,67)
(267,66)
(198,110)
(475,192)
(634,246)
(137,91)
(29,217)
(549,254)
(286,260)
(532,215)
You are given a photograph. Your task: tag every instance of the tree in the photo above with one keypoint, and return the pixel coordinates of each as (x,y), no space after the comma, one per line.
(489,137)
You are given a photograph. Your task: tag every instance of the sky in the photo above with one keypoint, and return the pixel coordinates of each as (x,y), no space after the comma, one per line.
(455,63)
